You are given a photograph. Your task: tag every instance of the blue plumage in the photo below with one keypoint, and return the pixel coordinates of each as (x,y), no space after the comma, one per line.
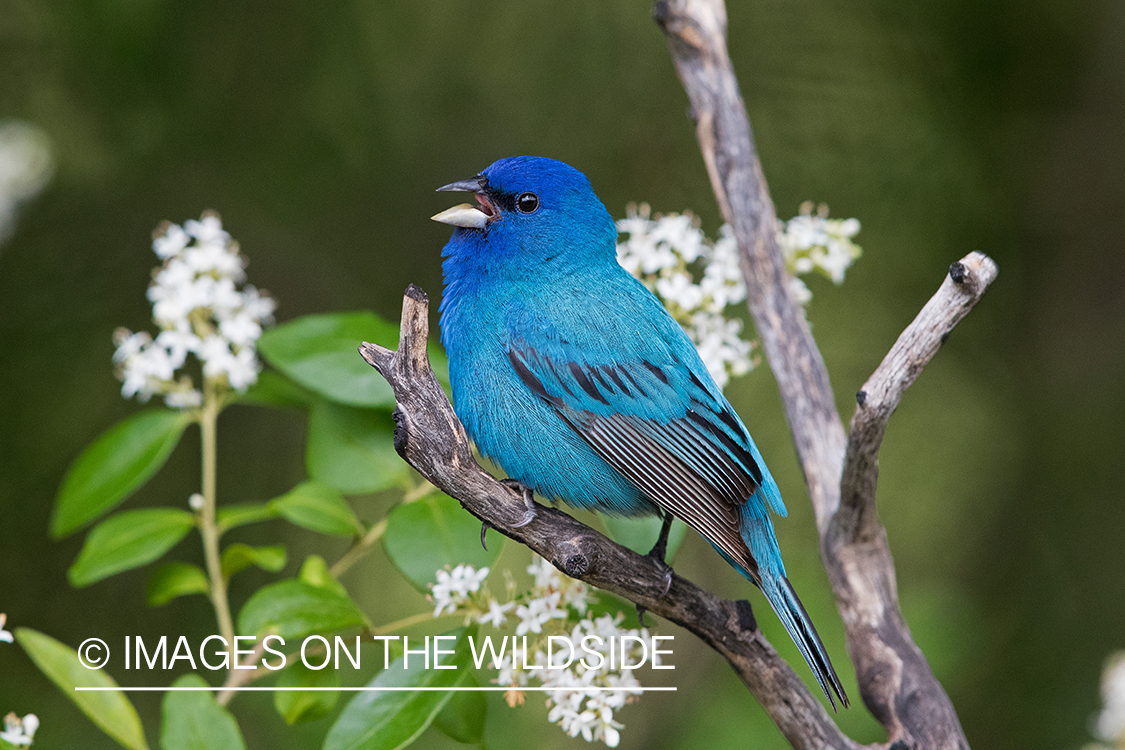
(572,377)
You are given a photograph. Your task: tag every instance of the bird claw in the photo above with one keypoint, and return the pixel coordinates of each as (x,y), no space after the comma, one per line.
(528,499)
(484,527)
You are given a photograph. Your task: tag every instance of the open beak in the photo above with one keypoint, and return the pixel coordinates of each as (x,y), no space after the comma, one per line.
(465,215)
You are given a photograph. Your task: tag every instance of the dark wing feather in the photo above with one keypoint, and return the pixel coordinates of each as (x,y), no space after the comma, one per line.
(687,465)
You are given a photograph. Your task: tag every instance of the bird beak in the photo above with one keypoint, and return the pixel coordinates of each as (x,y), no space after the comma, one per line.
(463,215)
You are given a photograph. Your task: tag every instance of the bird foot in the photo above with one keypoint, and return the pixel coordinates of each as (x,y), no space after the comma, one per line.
(528,499)
(484,527)
(660,550)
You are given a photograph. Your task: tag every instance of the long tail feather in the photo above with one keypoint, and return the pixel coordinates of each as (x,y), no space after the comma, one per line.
(792,613)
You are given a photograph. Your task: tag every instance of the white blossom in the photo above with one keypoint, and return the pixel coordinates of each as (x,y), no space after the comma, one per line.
(200,311)
(538,612)
(556,605)
(26,166)
(695,278)
(5,635)
(496,614)
(453,588)
(19,732)
(1109,724)
(816,243)
(698,279)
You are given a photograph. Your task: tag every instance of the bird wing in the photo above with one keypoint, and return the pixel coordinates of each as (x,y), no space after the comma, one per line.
(654,419)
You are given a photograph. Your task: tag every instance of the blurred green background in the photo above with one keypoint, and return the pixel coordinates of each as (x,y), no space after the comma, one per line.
(319,131)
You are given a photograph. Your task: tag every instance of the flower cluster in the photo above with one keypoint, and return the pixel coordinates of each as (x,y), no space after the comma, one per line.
(200,310)
(698,279)
(26,166)
(454,590)
(556,605)
(19,732)
(1110,723)
(816,243)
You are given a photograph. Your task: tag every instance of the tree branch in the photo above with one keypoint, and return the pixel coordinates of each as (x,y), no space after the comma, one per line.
(895,680)
(429,436)
(967,280)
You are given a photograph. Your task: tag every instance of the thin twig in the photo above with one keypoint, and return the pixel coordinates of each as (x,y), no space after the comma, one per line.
(208,529)
(360,549)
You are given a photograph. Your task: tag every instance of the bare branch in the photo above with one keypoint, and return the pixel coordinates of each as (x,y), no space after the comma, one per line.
(430,438)
(967,280)
(896,682)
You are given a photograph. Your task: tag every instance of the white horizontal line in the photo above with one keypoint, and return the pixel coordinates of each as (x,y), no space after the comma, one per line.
(366,689)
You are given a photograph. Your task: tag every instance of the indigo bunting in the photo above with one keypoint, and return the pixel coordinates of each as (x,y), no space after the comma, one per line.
(573,378)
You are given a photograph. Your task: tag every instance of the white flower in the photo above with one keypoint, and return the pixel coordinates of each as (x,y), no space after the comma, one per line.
(546,575)
(666,254)
(537,612)
(168,240)
(698,279)
(817,243)
(209,228)
(200,311)
(678,287)
(178,343)
(5,636)
(453,588)
(495,615)
(258,306)
(19,732)
(26,166)
(241,329)
(196,502)
(1111,721)
(129,343)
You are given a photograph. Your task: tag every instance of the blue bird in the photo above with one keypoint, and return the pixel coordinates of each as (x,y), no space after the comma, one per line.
(573,378)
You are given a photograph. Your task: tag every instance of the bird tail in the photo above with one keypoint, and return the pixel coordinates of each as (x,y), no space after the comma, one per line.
(784,600)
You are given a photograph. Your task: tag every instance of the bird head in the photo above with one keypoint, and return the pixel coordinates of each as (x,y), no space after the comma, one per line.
(532,202)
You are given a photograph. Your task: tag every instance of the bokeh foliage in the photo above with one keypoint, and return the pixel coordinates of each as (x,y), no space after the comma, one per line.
(320,130)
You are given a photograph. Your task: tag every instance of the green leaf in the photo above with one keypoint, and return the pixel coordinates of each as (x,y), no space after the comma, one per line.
(639,534)
(318,507)
(384,720)
(194,721)
(315,572)
(232,516)
(353,449)
(294,608)
(432,532)
(175,579)
(297,706)
(320,353)
(238,556)
(464,714)
(128,540)
(274,389)
(115,465)
(110,710)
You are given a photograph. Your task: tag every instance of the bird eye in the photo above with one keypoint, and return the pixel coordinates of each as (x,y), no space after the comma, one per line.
(527,203)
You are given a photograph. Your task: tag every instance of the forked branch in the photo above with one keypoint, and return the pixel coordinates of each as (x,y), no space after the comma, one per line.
(841,470)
